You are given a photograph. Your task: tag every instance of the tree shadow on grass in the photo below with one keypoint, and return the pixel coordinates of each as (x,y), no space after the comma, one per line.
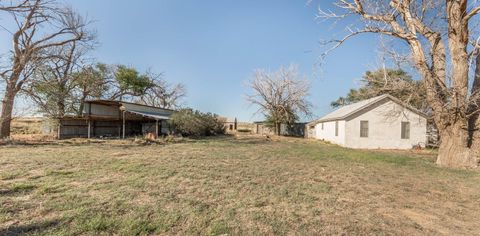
(27,143)
(19,189)
(22,229)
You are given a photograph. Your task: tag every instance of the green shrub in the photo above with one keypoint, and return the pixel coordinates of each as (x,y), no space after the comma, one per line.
(189,122)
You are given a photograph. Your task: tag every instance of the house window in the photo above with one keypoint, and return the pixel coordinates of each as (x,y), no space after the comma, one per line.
(364,128)
(405,130)
(336,128)
(322,125)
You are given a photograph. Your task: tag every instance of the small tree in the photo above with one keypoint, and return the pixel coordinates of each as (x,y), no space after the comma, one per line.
(281,96)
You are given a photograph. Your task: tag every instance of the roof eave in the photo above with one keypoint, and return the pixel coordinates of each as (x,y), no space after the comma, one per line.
(380,98)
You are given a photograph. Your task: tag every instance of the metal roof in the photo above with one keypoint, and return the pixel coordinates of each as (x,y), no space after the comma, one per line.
(119,103)
(153,115)
(348,110)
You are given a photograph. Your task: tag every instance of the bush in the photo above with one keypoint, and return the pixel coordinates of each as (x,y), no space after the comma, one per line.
(189,122)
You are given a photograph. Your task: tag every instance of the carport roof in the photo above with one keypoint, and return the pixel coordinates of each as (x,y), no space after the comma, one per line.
(153,115)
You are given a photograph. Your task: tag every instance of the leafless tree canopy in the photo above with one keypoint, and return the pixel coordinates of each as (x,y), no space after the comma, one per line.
(281,95)
(40,27)
(52,84)
(440,37)
(164,94)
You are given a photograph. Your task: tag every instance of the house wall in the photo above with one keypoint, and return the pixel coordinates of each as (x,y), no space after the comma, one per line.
(328,132)
(384,128)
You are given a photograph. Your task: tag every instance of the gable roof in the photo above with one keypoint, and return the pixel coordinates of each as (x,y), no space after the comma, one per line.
(348,110)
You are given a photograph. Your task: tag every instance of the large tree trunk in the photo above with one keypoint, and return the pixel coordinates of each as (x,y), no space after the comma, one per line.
(277,128)
(454,150)
(61,109)
(7,110)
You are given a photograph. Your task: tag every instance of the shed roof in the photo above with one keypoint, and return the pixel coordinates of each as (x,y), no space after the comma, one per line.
(150,112)
(153,115)
(348,110)
(119,103)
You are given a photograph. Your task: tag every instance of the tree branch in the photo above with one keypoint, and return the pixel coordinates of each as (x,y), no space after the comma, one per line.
(472,13)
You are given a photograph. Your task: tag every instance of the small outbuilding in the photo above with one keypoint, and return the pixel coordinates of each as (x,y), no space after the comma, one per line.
(381,122)
(106,118)
(266,128)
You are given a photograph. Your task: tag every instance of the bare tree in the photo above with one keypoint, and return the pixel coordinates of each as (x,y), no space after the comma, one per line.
(439,39)
(53,84)
(39,26)
(281,95)
(163,94)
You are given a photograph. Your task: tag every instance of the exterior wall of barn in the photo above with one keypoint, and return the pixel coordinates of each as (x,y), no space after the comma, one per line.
(106,120)
(326,131)
(102,110)
(78,128)
(385,128)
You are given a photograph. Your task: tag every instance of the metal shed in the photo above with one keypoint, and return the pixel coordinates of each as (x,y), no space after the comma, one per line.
(106,118)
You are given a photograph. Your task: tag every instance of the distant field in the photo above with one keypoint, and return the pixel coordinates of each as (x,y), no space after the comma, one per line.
(234,186)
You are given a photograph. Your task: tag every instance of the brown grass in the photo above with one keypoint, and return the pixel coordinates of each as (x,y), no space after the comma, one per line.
(242,185)
(32,125)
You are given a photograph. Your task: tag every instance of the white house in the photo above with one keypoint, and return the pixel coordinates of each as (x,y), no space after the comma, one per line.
(380,122)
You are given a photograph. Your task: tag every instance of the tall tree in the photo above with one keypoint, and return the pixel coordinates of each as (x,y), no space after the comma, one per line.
(129,83)
(53,92)
(91,81)
(395,82)
(163,94)
(52,84)
(281,95)
(438,36)
(40,25)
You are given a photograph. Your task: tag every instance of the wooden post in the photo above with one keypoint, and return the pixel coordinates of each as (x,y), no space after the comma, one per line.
(89,128)
(156,129)
(59,131)
(123,130)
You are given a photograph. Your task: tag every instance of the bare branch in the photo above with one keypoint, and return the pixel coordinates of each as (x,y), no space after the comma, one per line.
(472,13)
(281,96)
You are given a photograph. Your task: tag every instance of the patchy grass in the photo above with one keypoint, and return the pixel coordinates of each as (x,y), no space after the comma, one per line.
(243,185)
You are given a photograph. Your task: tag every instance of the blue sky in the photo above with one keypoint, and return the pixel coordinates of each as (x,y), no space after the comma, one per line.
(213,46)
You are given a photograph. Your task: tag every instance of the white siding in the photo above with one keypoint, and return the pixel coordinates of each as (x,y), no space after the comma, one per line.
(384,128)
(328,132)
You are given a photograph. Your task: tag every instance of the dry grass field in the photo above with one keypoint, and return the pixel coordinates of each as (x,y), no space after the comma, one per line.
(235,186)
